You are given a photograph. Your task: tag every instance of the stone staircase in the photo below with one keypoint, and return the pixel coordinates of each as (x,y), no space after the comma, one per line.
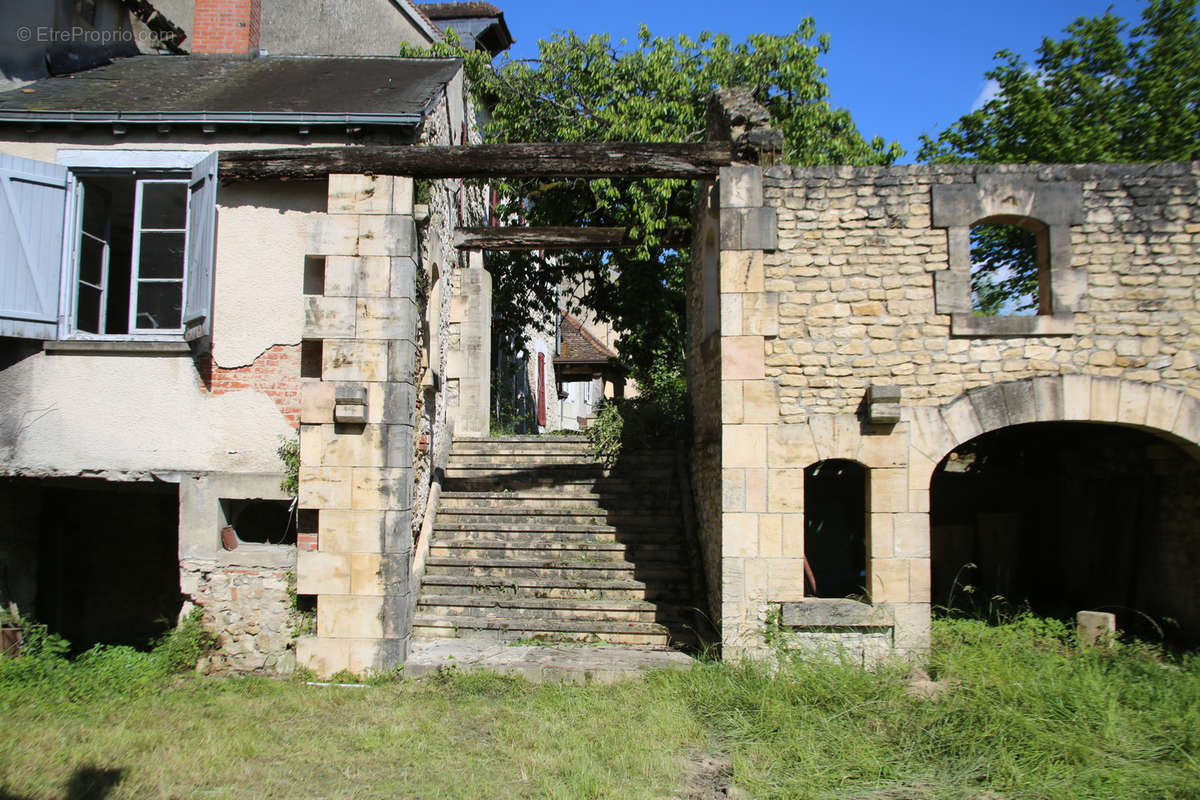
(536,540)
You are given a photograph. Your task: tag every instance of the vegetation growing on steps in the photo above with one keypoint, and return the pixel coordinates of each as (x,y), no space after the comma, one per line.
(1019,712)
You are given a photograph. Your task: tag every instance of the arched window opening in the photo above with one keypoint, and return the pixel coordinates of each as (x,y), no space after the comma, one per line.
(1061,517)
(835,523)
(1010,269)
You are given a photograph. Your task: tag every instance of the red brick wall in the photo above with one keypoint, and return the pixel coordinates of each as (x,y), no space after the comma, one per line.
(226,27)
(275,373)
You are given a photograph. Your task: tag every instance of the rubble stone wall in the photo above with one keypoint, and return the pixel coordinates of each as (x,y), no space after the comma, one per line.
(838,281)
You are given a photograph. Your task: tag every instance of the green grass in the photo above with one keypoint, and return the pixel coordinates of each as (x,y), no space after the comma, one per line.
(1021,714)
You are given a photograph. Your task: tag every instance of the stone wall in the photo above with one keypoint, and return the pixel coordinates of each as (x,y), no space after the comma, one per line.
(356,433)
(249,610)
(838,283)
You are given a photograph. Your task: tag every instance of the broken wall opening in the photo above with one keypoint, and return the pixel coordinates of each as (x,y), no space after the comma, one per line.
(96,561)
(258,522)
(1062,517)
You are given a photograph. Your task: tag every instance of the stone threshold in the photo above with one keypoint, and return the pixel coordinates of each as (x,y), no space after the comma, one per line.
(541,663)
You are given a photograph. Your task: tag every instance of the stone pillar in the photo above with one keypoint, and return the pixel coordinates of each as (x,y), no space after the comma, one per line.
(762,555)
(469,362)
(356,432)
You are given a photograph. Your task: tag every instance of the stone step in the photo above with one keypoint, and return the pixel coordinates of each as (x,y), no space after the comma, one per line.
(648,633)
(505,569)
(623,537)
(549,549)
(518,514)
(476,481)
(570,587)
(598,609)
(630,502)
(512,476)
(548,525)
(525,438)
(536,456)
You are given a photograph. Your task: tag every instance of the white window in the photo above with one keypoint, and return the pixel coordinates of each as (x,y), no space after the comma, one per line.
(134,233)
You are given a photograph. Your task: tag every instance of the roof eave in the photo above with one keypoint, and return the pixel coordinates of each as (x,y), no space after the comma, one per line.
(408,120)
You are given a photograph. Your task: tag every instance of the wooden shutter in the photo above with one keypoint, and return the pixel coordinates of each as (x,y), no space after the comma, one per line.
(202,235)
(33,202)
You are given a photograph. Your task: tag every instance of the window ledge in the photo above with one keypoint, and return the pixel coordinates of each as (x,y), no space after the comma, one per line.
(1039,325)
(820,612)
(103,346)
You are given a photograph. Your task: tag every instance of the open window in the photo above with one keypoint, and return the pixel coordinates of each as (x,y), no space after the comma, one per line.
(1010,267)
(108,244)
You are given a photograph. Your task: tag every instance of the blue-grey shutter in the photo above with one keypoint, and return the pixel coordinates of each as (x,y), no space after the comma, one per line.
(202,235)
(33,202)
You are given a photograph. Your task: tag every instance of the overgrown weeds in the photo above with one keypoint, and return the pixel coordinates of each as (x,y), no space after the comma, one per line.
(1023,712)
(45,674)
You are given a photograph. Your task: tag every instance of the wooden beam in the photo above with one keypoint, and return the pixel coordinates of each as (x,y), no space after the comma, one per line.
(541,238)
(521,160)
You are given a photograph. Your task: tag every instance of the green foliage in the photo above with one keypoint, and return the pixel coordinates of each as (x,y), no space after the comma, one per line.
(655,90)
(1004,270)
(1012,711)
(44,672)
(1097,95)
(629,425)
(1016,711)
(289,454)
(303,616)
(180,648)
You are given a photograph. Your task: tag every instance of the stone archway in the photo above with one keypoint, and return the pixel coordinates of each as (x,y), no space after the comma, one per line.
(1066,493)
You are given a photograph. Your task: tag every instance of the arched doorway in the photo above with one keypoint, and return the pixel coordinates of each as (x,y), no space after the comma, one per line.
(1065,516)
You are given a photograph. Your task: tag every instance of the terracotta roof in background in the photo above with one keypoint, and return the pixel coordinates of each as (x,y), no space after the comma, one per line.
(579,346)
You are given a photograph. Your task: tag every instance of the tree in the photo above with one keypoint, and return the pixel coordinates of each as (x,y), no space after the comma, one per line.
(1098,95)
(590,90)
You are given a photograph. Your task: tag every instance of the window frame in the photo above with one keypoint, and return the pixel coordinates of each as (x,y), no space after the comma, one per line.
(79,164)
(1000,196)
(135,266)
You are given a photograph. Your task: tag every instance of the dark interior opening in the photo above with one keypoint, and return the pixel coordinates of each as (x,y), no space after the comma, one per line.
(314,275)
(312,354)
(1063,517)
(261,521)
(835,535)
(95,561)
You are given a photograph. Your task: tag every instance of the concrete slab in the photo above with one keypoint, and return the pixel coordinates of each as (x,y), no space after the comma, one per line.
(541,663)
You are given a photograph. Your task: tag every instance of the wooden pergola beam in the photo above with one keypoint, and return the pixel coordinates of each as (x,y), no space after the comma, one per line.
(520,160)
(558,238)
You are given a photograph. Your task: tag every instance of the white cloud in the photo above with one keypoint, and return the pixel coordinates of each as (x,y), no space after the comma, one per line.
(990,91)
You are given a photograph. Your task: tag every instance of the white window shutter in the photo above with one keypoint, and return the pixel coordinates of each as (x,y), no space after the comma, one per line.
(33,202)
(202,235)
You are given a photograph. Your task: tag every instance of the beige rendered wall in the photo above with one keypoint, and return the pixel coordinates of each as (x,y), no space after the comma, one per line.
(69,413)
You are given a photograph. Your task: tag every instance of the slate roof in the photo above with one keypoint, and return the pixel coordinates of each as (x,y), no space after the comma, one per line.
(266,90)
(580,347)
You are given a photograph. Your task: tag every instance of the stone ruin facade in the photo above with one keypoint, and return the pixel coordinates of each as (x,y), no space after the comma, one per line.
(831,327)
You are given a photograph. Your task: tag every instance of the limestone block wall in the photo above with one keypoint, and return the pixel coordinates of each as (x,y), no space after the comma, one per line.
(836,280)
(356,433)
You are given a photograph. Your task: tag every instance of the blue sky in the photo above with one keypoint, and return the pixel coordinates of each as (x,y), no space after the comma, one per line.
(901,68)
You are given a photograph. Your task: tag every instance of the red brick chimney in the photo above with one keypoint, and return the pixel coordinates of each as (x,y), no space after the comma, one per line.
(226,27)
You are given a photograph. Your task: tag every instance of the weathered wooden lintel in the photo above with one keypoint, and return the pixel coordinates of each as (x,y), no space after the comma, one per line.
(558,238)
(518,160)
